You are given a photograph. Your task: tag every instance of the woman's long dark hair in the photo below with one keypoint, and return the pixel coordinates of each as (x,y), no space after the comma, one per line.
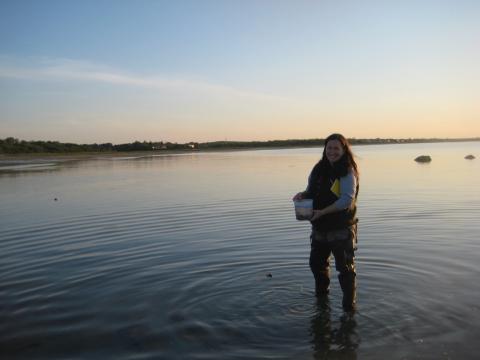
(341,167)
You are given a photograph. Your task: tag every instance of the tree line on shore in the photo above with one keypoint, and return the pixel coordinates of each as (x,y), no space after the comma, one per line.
(12,145)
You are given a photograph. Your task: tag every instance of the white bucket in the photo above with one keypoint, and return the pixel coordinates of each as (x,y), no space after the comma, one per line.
(303,209)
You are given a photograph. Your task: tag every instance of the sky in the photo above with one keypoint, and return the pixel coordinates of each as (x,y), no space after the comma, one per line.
(153,70)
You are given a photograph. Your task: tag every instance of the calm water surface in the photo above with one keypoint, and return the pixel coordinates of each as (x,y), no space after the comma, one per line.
(167,257)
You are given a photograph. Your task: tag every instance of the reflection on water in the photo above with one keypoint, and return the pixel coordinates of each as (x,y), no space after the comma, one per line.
(330,339)
(169,257)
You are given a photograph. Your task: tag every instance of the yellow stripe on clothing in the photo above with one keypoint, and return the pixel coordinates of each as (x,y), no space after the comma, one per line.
(335,188)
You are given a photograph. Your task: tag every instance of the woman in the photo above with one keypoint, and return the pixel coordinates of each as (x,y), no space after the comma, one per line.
(333,186)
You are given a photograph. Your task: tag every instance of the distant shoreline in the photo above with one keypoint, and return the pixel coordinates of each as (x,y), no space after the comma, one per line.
(41,157)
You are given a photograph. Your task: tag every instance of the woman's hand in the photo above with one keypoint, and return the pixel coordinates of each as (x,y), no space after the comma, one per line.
(316,215)
(298,196)
(326,210)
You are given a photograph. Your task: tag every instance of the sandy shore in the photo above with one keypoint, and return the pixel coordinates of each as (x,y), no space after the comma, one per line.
(62,157)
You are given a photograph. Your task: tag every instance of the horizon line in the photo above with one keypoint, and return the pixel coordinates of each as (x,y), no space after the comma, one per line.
(475,138)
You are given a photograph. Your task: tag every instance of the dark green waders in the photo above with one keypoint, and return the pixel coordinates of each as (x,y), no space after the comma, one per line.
(341,243)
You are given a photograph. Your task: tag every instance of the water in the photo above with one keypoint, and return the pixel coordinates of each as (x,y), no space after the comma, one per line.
(199,256)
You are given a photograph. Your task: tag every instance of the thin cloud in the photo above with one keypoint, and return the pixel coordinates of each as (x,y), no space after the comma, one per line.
(47,69)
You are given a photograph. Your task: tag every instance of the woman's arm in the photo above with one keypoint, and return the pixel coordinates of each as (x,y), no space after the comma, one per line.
(348,186)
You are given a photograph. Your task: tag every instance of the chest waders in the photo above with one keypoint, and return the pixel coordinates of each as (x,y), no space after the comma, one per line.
(336,234)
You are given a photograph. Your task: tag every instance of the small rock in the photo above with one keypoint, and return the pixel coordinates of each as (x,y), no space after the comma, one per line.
(423,158)
(55,199)
(470,157)
(269,275)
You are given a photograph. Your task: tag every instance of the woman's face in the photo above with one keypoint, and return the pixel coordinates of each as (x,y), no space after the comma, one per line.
(334,150)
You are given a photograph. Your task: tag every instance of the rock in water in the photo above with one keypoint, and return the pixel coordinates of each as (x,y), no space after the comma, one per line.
(423,158)
(470,157)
